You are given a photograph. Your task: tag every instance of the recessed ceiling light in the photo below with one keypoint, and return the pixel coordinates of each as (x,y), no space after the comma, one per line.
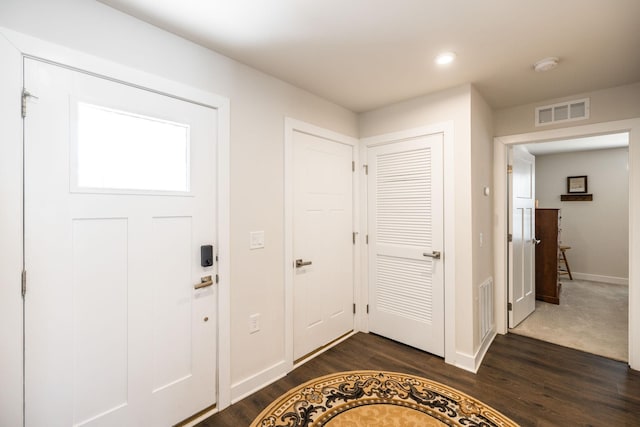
(445,58)
(546,64)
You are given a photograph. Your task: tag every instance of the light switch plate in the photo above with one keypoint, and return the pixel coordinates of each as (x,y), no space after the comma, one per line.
(254,323)
(256,240)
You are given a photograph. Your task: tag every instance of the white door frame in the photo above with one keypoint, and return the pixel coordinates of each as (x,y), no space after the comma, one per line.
(11,231)
(446,128)
(292,125)
(59,55)
(500,145)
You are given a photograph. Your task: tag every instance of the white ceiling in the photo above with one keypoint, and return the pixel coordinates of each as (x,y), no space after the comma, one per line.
(363,54)
(601,142)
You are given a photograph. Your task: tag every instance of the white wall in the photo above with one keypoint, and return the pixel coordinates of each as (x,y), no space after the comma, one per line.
(455,105)
(616,103)
(259,104)
(597,231)
(482,218)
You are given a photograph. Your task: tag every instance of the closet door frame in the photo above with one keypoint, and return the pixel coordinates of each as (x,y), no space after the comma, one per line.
(446,129)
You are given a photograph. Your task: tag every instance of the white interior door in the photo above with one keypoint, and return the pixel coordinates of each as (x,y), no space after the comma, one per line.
(119,197)
(405,221)
(522,284)
(322,241)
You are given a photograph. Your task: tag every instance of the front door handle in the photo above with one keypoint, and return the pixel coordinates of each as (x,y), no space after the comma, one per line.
(433,254)
(301,263)
(204,282)
(536,241)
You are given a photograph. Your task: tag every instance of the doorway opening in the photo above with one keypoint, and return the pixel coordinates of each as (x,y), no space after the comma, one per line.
(581,242)
(501,144)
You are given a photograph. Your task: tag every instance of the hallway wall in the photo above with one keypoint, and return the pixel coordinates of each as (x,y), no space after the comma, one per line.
(597,231)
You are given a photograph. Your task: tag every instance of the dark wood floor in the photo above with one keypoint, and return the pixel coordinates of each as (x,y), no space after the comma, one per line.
(532,382)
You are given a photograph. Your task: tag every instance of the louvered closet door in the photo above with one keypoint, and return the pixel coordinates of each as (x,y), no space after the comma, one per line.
(406,286)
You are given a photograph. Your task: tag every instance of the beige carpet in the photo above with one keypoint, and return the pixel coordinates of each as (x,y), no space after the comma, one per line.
(591,317)
(377,399)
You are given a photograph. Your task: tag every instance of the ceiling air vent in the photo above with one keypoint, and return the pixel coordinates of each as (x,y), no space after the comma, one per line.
(563,112)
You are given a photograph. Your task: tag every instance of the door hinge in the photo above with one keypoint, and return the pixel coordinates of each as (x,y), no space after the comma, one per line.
(367,308)
(509,168)
(509,306)
(23,283)
(354,237)
(354,308)
(366,169)
(509,237)
(353,166)
(217,278)
(24,105)
(25,96)
(366,239)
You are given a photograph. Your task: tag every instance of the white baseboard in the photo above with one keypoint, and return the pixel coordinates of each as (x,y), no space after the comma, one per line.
(199,418)
(250,385)
(597,278)
(255,382)
(472,363)
(325,348)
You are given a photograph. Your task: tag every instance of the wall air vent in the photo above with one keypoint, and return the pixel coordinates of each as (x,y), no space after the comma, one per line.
(563,112)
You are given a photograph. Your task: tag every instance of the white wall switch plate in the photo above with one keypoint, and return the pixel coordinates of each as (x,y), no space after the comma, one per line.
(254,323)
(256,240)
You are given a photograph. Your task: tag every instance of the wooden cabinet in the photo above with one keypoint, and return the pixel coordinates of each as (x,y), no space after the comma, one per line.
(547,231)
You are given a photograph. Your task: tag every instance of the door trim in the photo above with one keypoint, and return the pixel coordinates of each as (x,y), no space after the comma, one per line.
(34,48)
(500,145)
(11,263)
(446,128)
(290,126)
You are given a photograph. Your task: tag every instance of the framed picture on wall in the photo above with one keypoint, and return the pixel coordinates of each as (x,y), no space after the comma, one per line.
(577,184)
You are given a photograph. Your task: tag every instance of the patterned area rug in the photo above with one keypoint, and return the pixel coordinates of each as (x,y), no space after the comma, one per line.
(377,399)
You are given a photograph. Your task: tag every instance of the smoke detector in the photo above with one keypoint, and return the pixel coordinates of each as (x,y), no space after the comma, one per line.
(546,64)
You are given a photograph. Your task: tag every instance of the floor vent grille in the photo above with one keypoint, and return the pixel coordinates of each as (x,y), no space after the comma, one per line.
(486,308)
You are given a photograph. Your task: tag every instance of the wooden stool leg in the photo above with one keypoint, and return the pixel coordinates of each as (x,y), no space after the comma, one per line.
(566,263)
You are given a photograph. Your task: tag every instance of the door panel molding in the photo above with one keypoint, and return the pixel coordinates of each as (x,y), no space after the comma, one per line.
(292,125)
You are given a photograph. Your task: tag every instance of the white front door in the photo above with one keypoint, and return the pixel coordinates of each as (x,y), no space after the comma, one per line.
(119,198)
(405,221)
(522,284)
(322,241)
